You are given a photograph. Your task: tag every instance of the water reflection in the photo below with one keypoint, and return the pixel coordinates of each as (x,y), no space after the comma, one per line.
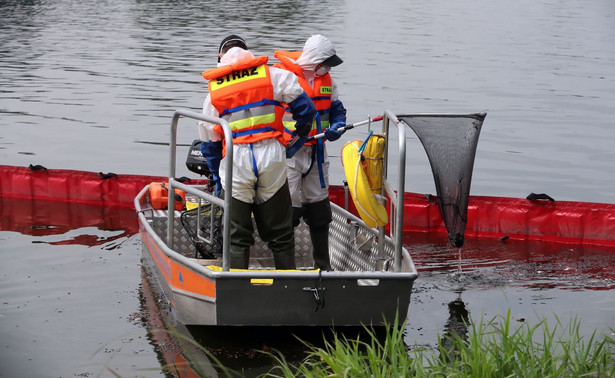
(176,354)
(65,223)
(240,349)
(456,326)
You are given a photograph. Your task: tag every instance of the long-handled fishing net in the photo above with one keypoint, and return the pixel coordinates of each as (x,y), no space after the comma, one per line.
(450,142)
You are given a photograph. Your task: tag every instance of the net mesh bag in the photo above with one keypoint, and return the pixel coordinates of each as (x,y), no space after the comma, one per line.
(450,142)
(202,218)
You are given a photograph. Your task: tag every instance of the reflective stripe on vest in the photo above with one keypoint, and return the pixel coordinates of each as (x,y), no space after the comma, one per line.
(320,94)
(249,116)
(321,97)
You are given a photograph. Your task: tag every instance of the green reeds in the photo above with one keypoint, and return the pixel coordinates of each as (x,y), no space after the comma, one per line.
(491,349)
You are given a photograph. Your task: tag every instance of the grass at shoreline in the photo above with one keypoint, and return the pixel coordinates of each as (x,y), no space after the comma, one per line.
(494,348)
(491,349)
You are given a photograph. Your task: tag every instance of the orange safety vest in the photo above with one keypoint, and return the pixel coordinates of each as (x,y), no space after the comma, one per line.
(320,94)
(243,95)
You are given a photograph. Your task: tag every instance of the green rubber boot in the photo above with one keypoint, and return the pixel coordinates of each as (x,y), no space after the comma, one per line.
(274,221)
(318,216)
(242,237)
(297,214)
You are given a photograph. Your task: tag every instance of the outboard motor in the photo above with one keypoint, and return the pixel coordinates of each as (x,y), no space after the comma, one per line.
(196,162)
(205,213)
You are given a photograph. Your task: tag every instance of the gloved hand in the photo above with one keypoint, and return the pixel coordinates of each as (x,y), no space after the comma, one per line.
(212,151)
(292,150)
(332,133)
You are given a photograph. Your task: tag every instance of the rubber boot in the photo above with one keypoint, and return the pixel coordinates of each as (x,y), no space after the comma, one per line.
(297,214)
(318,216)
(320,247)
(274,221)
(241,234)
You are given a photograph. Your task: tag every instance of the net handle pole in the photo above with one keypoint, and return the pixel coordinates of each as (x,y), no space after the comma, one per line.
(348,127)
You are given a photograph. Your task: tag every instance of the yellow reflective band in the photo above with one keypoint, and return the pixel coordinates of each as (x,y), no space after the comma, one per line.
(253,112)
(238,77)
(251,121)
(325,90)
(290,125)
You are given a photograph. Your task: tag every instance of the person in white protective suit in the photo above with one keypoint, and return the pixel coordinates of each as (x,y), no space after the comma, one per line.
(308,165)
(248,94)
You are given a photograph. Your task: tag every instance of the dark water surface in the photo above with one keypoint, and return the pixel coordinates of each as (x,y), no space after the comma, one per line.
(91,85)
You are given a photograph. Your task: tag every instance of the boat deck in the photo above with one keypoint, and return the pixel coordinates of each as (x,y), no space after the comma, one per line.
(353,246)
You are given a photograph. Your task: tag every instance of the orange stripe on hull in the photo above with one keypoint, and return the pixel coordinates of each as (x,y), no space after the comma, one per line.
(187,280)
(176,275)
(161,260)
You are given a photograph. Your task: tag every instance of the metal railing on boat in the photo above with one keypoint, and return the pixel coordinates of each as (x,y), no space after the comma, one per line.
(396,196)
(228,184)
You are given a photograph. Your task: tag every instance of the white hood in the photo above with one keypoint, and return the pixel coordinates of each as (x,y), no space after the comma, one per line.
(235,55)
(316,50)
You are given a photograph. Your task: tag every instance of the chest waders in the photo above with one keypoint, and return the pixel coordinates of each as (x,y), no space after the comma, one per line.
(317,215)
(274,227)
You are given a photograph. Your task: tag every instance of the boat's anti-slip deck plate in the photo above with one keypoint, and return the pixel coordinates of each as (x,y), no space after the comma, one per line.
(353,246)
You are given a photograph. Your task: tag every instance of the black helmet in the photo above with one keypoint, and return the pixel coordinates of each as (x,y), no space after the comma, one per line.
(231,41)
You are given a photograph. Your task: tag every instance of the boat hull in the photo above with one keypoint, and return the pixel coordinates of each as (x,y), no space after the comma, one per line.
(364,291)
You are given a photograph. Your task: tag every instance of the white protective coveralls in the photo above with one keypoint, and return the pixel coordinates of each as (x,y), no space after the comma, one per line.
(259,173)
(269,151)
(309,189)
(308,180)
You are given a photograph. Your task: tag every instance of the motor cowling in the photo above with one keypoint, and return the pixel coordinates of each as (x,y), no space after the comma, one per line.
(195,161)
